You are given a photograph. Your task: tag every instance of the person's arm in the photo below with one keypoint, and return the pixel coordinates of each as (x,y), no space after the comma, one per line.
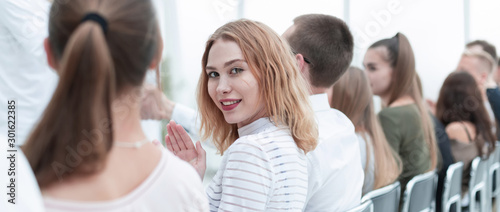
(186,117)
(27,21)
(156,106)
(443,143)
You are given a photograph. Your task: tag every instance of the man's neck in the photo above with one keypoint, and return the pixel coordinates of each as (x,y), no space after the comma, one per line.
(315,90)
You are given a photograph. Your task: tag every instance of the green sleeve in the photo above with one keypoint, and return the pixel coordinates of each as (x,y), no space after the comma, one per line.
(391,129)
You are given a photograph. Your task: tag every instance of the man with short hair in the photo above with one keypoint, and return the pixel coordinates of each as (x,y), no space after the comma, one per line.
(324,46)
(484,46)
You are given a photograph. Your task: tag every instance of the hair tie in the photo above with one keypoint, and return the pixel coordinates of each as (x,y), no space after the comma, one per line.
(98,19)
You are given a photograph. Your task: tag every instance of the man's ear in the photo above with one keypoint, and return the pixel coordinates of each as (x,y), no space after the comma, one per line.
(301,63)
(483,78)
(50,57)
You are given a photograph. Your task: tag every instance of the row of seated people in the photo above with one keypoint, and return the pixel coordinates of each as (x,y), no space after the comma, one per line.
(265,103)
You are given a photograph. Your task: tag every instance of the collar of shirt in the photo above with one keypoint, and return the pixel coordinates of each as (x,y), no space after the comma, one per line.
(255,127)
(319,102)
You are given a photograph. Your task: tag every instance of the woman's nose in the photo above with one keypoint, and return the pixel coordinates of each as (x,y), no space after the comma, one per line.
(224,86)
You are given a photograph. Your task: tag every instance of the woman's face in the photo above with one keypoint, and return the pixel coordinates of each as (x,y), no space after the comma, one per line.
(231,84)
(378,70)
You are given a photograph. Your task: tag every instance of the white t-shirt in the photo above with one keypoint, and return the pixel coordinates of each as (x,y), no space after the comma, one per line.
(263,170)
(370,170)
(335,173)
(172,186)
(24,74)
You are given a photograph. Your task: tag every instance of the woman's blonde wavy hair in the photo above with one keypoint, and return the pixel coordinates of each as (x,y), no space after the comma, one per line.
(283,89)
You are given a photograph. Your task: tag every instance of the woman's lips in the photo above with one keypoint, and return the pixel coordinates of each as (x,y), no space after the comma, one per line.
(230,104)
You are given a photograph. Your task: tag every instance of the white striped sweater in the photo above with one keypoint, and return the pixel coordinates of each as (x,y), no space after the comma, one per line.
(263,170)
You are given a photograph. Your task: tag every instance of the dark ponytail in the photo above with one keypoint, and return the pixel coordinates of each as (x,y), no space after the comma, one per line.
(75,133)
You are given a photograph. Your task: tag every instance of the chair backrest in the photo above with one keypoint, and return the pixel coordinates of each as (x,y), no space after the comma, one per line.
(453,187)
(478,183)
(495,175)
(494,172)
(420,192)
(366,206)
(385,199)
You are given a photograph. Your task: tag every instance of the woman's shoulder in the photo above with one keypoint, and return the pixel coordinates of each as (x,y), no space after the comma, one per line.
(400,113)
(269,135)
(268,143)
(182,169)
(173,179)
(179,181)
(400,109)
(460,131)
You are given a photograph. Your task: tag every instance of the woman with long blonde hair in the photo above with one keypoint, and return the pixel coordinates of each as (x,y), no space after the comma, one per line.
(254,106)
(353,96)
(390,67)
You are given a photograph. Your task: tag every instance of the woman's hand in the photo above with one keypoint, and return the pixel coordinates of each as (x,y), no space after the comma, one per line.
(179,142)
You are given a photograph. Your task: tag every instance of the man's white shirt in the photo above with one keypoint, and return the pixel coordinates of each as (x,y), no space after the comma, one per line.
(24,74)
(335,173)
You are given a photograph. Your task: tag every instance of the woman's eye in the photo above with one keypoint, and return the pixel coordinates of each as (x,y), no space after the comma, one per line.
(236,70)
(213,74)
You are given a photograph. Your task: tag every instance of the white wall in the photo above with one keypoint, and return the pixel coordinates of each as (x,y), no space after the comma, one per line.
(485,21)
(279,14)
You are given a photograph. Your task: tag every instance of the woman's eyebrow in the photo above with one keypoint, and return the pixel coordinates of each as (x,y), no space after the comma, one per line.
(228,63)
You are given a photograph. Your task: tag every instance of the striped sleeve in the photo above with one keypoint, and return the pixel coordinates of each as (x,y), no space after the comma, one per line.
(247,178)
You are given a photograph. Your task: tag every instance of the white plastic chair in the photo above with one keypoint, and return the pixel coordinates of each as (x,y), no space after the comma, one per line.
(494,178)
(364,207)
(453,187)
(420,193)
(385,199)
(478,184)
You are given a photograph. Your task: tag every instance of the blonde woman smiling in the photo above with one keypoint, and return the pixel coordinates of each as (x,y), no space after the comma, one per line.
(254,106)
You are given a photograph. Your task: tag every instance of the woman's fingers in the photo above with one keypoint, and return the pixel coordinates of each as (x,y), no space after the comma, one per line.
(173,139)
(169,144)
(188,143)
(177,136)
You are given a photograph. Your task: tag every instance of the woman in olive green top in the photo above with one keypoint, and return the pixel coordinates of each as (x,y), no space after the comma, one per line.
(390,66)
(403,129)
